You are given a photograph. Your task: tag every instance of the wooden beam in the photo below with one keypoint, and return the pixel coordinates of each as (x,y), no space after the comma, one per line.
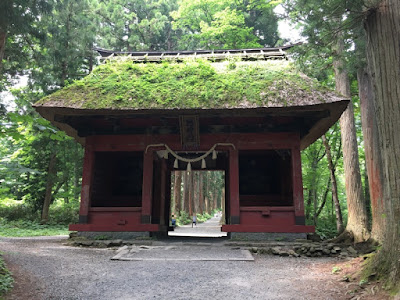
(115,227)
(87,179)
(233,200)
(147,190)
(298,200)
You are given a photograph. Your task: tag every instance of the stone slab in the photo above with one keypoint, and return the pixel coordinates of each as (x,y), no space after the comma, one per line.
(267,236)
(181,253)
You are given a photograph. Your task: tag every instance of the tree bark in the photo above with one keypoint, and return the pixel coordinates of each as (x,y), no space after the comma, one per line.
(335,198)
(190,192)
(357,220)
(196,191)
(186,192)
(201,193)
(177,192)
(383,53)
(207,192)
(325,197)
(372,153)
(3,38)
(51,173)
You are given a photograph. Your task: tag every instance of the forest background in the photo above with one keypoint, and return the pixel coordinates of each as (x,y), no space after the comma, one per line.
(51,44)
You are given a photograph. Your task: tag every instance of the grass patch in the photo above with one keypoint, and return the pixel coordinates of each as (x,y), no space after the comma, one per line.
(25,228)
(6,280)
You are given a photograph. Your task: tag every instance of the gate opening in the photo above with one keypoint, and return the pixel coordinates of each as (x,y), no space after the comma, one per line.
(197,204)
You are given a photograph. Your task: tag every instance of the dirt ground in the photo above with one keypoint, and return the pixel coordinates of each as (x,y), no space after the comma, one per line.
(348,273)
(46,268)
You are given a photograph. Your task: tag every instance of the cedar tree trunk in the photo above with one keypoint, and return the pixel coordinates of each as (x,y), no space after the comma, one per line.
(372,153)
(382,26)
(51,173)
(190,191)
(177,192)
(357,221)
(201,193)
(3,38)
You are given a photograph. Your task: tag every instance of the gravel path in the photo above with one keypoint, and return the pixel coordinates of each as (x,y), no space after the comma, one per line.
(47,269)
(210,228)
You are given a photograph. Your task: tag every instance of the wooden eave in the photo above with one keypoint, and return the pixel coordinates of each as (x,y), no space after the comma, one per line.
(312,120)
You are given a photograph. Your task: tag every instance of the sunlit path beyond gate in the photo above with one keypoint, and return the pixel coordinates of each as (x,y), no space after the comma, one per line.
(210,228)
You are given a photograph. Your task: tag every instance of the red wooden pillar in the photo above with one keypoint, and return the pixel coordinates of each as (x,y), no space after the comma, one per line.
(163,191)
(298,200)
(147,189)
(87,178)
(234,187)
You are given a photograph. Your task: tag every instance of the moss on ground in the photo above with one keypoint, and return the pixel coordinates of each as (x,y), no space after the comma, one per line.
(125,84)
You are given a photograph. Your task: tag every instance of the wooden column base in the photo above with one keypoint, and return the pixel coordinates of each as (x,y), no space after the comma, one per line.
(144,219)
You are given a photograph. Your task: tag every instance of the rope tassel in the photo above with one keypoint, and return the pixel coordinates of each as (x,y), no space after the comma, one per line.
(203,164)
(214,155)
(176,166)
(189,167)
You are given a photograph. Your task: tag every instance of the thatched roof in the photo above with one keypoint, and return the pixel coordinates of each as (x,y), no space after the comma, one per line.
(123,86)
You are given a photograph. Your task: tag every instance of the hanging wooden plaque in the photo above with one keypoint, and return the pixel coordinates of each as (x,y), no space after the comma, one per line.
(189,127)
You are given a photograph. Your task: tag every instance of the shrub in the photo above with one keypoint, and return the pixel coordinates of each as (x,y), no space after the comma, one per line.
(67,213)
(30,228)
(183,218)
(6,280)
(18,212)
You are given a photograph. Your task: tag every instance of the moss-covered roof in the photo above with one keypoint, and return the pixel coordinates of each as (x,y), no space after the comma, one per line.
(122,84)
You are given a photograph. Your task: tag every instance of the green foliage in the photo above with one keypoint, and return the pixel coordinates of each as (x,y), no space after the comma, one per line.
(21,228)
(61,214)
(183,218)
(135,25)
(18,21)
(317,184)
(6,279)
(326,227)
(18,212)
(224,24)
(102,237)
(64,213)
(66,51)
(201,218)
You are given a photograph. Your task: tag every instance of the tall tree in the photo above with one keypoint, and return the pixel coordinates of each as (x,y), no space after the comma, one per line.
(382,26)
(325,26)
(372,153)
(66,53)
(17,31)
(136,25)
(177,192)
(214,24)
(357,219)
